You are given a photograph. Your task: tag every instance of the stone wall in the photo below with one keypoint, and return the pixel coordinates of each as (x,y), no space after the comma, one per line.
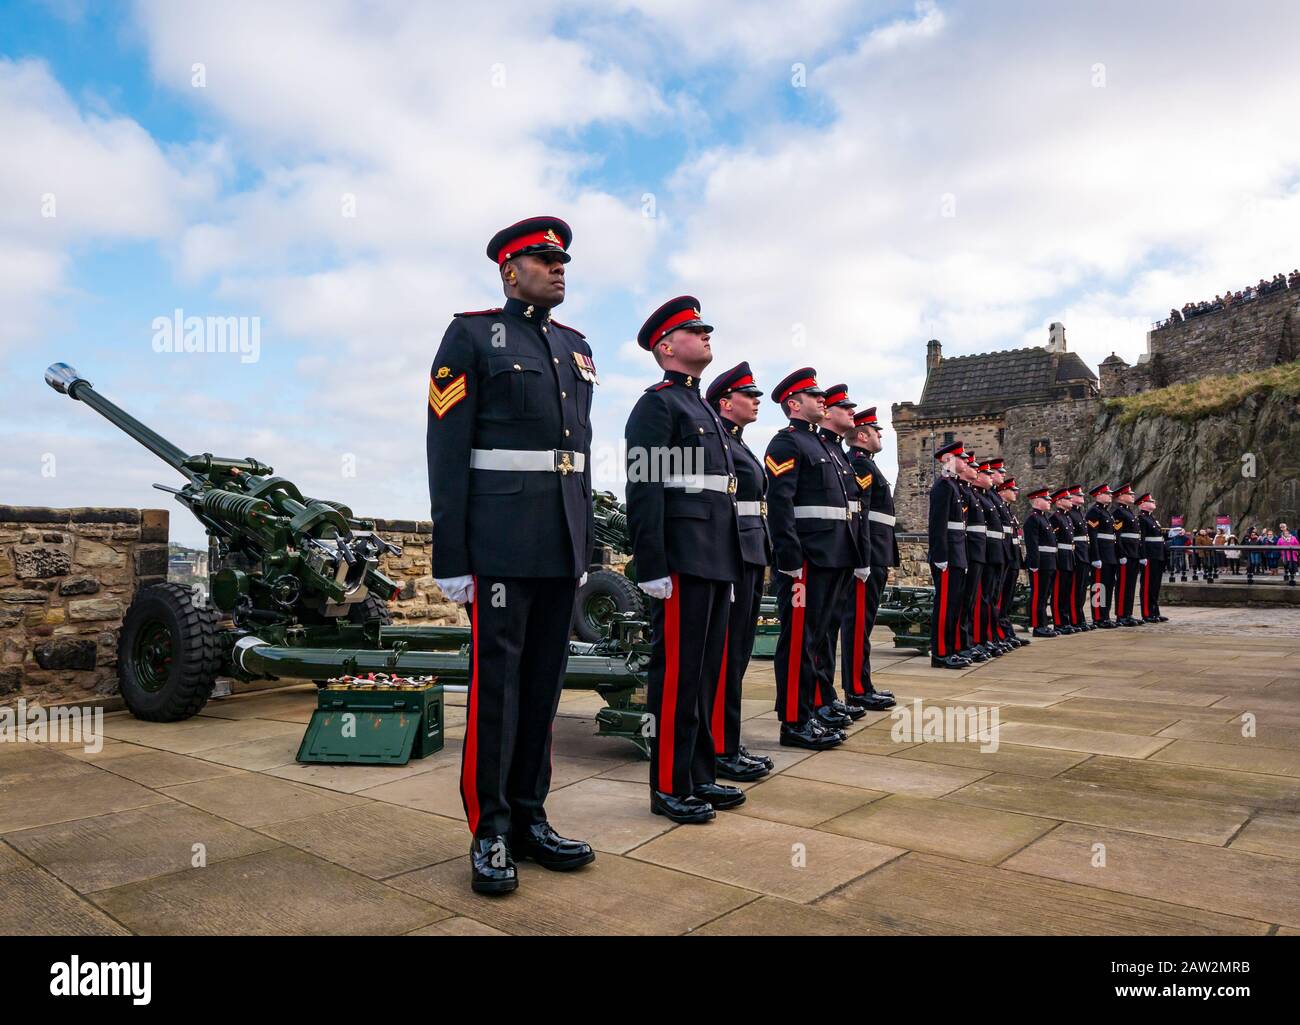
(420,600)
(1253,335)
(66,579)
(1065,424)
(916,460)
(913,568)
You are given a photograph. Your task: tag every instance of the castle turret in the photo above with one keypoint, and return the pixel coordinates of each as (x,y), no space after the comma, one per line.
(933,354)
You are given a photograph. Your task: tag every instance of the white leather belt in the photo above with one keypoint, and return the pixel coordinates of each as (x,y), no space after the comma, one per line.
(1105,537)
(1064,548)
(855,506)
(976,528)
(1154,537)
(704,482)
(956,525)
(751,508)
(995,533)
(547,460)
(1137,537)
(822,512)
(880,517)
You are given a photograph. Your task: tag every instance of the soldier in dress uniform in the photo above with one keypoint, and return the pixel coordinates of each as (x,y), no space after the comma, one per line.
(1102,556)
(995,562)
(1063,584)
(1007,492)
(948,564)
(976,557)
(1040,560)
(1129,545)
(817,547)
(735,397)
(833,429)
(685,536)
(1153,559)
(1082,549)
(508,442)
(864,440)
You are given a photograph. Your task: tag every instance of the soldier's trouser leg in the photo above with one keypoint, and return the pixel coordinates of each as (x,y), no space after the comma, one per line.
(1101,581)
(988,596)
(1060,582)
(1128,578)
(519,632)
(742,625)
(966,630)
(945,613)
(855,630)
(841,603)
(804,607)
(1010,578)
(687,632)
(1040,586)
(1157,577)
(1082,581)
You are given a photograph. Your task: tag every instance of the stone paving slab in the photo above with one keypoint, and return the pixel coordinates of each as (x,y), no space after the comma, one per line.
(1022,761)
(893,775)
(1088,803)
(1265,734)
(256,755)
(802,802)
(34,903)
(611,815)
(276,892)
(772,916)
(794,862)
(957,897)
(128,846)
(1269,760)
(942,827)
(1273,793)
(1227,881)
(62,798)
(251,799)
(164,769)
(1069,739)
(612,895)
(1278,835)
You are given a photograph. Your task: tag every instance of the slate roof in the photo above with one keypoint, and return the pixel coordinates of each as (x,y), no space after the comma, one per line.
(989,382)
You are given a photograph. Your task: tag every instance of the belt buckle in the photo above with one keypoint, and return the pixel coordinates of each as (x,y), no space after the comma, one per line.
(731,483)
(762,507)
(848,515)
(564,462)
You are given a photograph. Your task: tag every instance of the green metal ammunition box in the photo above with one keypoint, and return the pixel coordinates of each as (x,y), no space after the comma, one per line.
(374,725)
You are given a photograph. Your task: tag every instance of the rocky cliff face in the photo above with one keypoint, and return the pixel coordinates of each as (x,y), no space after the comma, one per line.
(1243,463)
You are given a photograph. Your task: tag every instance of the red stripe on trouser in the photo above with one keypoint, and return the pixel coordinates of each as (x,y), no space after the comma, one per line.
(1033,600)
(943,612)
(720,699)
(859,624)
(794,658)
(1119,598)
(1146,588)
(976,635)
(1096,594)
(469,750)
(667,725)
(1056,598)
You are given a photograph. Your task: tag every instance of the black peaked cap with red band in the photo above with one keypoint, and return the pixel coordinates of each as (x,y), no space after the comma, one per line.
(1123,489)
(953,448)
(1062,493)
(1039,493)
(867,418)
(532,236)
(684,311)
(738,378)
(838,395)
(1145,497)
(1100,489)
(1009,485)
(802,380)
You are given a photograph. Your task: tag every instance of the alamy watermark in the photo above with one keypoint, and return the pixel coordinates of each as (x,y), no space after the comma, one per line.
(953,724)
(237,335)
(58,724)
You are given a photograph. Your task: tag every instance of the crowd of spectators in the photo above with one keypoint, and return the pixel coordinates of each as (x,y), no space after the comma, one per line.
(1260,551)
(1278,283)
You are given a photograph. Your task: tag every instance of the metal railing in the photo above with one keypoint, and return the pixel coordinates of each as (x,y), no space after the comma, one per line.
(1208,563)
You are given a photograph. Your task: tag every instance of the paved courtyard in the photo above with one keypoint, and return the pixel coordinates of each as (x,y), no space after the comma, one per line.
(1122,798)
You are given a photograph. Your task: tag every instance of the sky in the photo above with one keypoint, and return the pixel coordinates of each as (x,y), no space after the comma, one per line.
(837,182)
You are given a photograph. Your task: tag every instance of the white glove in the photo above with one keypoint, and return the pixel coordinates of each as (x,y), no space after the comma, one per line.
(862,572)
(1033,569)
(457,589)
(1123,561)
(1142,562)
(796,573)
(1097,564)
(943,567)
(661,588)
(582,579)
(733,592)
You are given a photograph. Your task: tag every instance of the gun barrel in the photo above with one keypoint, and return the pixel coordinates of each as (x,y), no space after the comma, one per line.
(64,378)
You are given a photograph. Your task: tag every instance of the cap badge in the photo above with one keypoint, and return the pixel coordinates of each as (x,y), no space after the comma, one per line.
(553,238)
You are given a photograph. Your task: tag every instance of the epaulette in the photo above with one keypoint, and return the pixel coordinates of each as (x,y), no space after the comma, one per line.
(567,328)
(660,386)
(479,313)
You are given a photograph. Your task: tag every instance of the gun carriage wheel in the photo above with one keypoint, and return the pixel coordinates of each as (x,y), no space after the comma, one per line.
(603,598)
(168,654)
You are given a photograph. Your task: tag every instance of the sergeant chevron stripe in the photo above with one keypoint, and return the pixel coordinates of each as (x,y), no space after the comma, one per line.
(776,468)
(442,399)
(865,482)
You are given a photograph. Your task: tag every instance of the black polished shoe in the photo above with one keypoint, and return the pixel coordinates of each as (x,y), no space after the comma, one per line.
(493,869)
(1044,631)
(809,735)
(1021,640)
(1128,621)
(827,716)
(542,844)
(1106,624)
(1150,619)
(719,796)
(1165,619)
(762,760)
(950,662)
(742,770)
(882,693)
(686,810)
(870,702)
(974,655)
(853,713)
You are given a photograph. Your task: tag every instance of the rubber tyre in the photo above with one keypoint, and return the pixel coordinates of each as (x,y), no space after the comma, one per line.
(604,592)
(369,609)
(185,683)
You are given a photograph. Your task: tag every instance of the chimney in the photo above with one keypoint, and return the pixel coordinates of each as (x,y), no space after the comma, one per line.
(1056,337)
(933,354)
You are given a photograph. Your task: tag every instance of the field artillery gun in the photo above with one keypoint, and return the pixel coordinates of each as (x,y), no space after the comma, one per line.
(295,592)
